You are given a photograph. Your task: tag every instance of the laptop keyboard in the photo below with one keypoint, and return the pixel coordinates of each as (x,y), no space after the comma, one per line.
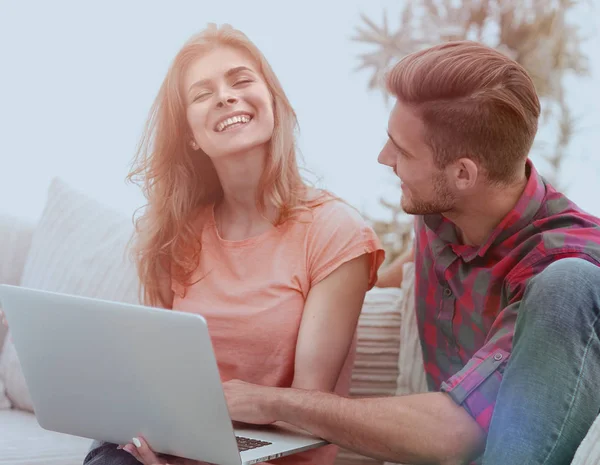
(247,443)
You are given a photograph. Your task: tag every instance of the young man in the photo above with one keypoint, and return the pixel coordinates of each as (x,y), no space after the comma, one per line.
(507,283)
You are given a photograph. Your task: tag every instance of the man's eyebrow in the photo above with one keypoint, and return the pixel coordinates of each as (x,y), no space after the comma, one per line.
(403,150)
(228,73)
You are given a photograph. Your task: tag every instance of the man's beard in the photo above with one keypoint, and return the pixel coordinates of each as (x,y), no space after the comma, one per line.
(442,202)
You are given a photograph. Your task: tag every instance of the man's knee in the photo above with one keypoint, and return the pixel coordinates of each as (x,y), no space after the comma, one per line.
(567,277)
(570,268)
(564,290)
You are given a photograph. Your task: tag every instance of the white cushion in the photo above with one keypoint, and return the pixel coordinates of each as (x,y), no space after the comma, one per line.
(4,400)
(15,239)
(24,442)
(588,452)
(78,247)
(12,376)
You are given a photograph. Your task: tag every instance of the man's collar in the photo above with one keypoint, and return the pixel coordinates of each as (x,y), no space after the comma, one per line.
(520,216)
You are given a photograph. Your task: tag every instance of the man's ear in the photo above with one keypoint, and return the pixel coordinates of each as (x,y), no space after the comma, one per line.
(464,172)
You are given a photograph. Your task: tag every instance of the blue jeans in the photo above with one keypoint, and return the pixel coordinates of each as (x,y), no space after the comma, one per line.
(550,392)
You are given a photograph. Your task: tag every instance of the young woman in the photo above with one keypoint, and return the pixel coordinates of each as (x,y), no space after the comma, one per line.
(231,231)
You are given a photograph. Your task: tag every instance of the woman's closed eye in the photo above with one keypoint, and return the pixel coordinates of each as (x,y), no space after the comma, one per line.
(200,96)
(242,81)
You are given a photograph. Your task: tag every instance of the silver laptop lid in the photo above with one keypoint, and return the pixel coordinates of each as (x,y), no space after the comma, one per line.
(109,371)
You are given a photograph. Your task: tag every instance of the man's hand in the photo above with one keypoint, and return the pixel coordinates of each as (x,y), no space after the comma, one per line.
(144,454)
(250,403)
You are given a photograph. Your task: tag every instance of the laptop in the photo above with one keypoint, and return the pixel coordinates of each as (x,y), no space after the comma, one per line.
(111,371)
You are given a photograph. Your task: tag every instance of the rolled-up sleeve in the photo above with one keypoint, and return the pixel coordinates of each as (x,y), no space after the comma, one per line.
(476,386)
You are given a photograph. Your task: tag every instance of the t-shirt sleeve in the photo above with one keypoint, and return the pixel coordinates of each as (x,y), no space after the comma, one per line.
(338,234)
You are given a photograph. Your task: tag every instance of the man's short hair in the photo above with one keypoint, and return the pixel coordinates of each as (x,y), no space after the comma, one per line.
(475,102)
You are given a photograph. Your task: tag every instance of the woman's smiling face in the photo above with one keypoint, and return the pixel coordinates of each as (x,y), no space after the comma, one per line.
(229,105)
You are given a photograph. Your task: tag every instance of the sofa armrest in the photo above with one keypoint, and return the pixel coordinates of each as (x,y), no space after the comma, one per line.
(15,240)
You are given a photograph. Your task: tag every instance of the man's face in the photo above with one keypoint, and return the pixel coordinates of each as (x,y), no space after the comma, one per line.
(425,187)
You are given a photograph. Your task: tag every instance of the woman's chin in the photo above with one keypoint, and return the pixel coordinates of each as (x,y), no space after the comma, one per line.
(241,148)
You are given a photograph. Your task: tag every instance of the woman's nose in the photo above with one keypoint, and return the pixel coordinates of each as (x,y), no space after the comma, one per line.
(227,100)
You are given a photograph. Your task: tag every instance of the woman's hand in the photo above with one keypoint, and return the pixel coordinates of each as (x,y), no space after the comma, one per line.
(140,449)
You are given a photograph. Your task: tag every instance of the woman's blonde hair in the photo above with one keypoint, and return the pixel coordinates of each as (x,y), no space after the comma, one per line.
(177,180)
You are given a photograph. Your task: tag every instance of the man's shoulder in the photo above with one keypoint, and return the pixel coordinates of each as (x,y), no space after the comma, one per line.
(559,230)
(564,225)
(556,203)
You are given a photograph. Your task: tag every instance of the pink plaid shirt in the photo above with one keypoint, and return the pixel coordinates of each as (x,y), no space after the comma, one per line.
(468,298)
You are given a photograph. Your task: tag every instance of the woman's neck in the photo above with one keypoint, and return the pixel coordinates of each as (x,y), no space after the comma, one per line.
(237,215)
(239,175)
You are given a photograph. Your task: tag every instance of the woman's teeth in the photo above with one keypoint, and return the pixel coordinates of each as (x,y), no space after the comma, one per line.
(241,119)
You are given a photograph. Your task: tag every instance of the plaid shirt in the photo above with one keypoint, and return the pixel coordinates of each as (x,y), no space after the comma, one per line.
(468,298)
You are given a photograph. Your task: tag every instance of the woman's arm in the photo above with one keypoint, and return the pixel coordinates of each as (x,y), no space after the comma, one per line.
(391,276)
(328,325)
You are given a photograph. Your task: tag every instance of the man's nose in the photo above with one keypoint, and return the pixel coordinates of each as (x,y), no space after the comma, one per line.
(385,157)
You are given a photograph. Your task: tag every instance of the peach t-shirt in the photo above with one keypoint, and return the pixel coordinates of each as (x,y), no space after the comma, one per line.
(252,294)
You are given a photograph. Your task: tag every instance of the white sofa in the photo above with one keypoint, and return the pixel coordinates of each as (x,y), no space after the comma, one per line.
(78,247)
